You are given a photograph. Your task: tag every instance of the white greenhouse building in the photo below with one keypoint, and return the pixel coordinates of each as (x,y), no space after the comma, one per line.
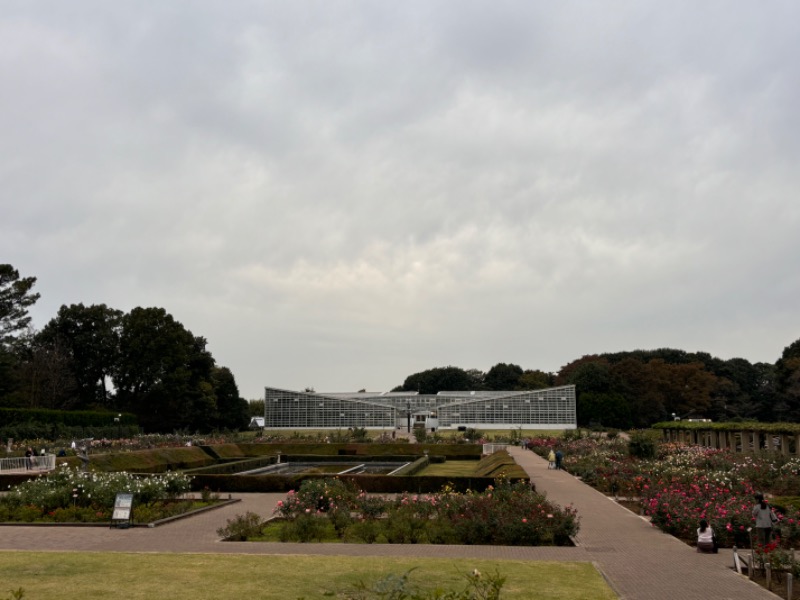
(550,408)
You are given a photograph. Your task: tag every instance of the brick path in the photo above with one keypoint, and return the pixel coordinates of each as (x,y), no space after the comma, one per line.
(639,562)
(637,559)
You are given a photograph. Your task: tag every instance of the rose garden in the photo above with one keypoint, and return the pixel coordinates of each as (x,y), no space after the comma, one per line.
(673,485)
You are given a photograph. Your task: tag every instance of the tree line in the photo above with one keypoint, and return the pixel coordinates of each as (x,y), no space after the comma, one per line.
(147,363)
(97,357)
(641,387)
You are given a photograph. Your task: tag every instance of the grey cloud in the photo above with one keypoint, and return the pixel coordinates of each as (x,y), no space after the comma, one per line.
(341,194)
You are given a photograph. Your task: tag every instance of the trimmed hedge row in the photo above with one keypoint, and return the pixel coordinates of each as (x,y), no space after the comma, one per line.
(238,466)
(32,431)
(790,428)
(224,451)
(378,484)
(71,418)
(413,468)
(500,463)
(159,460)
(231,467)
(459,451)
(156,460)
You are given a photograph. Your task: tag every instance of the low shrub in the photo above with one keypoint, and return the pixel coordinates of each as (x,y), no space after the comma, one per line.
(241,527)
(642,446)
(505,514)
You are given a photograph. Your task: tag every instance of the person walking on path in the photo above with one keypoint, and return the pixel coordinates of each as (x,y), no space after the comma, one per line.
(551,460)
(765,518)
(705,538)
(559,458)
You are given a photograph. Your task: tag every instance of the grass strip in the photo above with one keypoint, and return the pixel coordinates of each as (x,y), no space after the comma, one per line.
(84,576)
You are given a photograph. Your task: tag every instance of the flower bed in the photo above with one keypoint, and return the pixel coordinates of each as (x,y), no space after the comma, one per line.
(684,484)
(506,514)
(67,495)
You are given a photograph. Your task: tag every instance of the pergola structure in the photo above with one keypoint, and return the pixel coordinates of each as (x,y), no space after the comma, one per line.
(550,408)
(744,440)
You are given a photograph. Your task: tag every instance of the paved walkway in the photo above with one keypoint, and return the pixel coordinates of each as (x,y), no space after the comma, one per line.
(639,562)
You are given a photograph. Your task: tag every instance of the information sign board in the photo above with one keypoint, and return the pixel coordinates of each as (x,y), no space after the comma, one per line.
(123,510)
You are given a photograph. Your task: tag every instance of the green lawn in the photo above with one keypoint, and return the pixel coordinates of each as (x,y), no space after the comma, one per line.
(84,576)
(451,468)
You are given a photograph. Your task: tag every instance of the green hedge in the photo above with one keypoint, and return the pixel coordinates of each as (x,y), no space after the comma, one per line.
(59,431)
(9,480)
(236,466)
(790,428)
(225,451)
(70,418)
(239,466)
(500,463)
(28,424)
(157,460)
(379,484)
(452,451)
(413,468)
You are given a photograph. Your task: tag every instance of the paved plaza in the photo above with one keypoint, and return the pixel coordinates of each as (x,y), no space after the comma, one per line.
(638,561)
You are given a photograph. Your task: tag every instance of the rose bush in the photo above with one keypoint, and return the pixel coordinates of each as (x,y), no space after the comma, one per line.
(66,493)
(684,484)
(505,514)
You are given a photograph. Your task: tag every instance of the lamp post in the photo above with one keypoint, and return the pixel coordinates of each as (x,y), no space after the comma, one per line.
(118,421)
(408,415)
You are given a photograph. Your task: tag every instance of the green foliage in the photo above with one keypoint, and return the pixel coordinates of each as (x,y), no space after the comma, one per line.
(769,428)
(503,377)
(232,409)
(71,418)
(365,530)
(66,488)
(31,424)
(399,587)
(241,527)
(508,514)
(17,594)
(786,503)
(15,299)
(439,379)
(500,464)
(305,528)
(359,435)
(255,408)
(90,337)
(535,380)
(573,434)
(157,460)
(610,409)
(642,446)
(473,435)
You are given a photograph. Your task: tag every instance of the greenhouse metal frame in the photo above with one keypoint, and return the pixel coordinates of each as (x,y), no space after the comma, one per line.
(549,408)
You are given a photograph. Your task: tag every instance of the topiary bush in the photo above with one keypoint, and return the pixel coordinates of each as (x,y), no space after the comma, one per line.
(642,446)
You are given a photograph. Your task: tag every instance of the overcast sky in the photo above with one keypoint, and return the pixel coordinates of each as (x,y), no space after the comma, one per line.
(341,194)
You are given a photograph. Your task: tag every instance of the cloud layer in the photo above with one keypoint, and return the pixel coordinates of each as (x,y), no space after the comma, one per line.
(340,194)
